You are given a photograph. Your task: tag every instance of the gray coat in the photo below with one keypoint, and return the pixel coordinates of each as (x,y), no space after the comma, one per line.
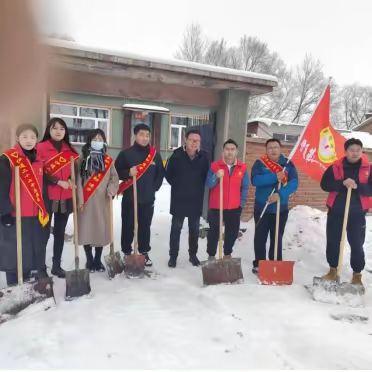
(94,220)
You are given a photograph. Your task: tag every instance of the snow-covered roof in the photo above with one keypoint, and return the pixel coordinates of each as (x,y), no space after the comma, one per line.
(269,122)
(135,107)
(167,61)
(365,122)
(365,137)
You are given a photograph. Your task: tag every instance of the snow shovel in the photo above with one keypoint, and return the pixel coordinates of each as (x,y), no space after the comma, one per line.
(16,298)
(322,285)
(134,265)
(77,281)
(276,272)
(223,270)
(113,261)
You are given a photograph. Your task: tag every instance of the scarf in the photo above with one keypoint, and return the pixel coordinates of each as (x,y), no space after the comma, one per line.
(93,161)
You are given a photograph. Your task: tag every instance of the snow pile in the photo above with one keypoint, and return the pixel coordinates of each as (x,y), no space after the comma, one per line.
(171,322)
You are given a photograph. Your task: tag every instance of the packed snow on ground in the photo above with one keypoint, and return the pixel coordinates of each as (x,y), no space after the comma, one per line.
(170,321)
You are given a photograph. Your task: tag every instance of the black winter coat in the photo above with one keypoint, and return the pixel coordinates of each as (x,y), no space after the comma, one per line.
(329,184)
(151,180)
(187,179)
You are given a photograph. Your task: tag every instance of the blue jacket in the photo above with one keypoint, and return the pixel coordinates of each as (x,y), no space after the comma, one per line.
(265,181)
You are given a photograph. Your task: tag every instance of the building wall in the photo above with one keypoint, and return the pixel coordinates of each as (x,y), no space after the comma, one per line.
(309,192)
(117,115)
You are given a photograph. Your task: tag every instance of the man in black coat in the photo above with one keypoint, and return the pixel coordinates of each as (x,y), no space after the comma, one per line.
(129,164)
(186,172)
(353,171)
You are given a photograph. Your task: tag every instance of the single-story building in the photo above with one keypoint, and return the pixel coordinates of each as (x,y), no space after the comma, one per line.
(114,91)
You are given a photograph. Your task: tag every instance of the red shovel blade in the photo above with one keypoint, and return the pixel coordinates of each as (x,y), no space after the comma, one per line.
(275,272)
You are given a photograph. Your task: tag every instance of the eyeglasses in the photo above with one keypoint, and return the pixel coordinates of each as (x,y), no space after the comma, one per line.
(193,141)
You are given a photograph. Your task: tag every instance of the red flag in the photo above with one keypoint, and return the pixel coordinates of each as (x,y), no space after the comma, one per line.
(320,144)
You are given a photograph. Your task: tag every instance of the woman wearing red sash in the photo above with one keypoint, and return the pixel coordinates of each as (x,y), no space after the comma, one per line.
(55,151)
(33,211)
(97,181)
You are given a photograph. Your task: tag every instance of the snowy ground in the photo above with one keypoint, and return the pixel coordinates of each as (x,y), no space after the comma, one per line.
(171,322)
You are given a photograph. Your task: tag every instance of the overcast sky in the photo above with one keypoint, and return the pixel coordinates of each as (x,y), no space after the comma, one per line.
(338,32)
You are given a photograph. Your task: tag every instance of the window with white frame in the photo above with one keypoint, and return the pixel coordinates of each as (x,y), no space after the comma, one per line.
(179,124)
(81,119)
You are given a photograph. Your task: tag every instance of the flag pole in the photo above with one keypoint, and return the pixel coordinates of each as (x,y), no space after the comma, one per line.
(296,146)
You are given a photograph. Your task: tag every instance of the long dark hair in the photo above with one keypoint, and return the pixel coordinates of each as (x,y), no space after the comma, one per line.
(92,134)
(50,125)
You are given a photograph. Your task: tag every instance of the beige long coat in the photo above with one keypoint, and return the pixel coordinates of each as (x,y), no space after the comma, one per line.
(94,220)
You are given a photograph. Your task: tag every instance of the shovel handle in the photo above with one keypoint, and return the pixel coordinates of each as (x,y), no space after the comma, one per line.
(74,206)
(135,238)
(221,219)
(344,225)
(111,227)
(277,227)
(18,224)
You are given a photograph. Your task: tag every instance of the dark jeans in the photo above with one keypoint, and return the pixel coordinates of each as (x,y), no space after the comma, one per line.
(145,214)
(174,241)
(266,225)
(231,218)
(59,228)
(356,232)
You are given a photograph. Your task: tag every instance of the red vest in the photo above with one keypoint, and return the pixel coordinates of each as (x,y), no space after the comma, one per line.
(28,207)
(338,173)
(231,185)
(46,151)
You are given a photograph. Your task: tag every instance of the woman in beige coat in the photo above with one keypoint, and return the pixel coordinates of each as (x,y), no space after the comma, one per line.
(97,182)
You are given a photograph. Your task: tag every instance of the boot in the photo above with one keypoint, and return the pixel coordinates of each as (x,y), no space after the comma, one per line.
(255,270)
(41,274)
(227,256)
(211,258)
(90,262)
(332,274)
(148,261)
(57,270)
(98,265)
(194,260)
(357,280)
(172,262)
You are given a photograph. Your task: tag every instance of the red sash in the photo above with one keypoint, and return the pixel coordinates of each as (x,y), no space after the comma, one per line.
(29,181)
(141,169)
(56,163)
(95,180)
(274,167)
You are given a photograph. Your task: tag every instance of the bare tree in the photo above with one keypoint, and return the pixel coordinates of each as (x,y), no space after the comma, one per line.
(217,53)
(309,82)
(193,44)
(352,104)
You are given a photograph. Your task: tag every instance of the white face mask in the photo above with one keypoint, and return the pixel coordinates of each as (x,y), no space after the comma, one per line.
(96,145)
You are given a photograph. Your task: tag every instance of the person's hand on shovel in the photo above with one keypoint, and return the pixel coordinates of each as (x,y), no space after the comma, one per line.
(133,171)
(350,183)
(220,173)
(273,198)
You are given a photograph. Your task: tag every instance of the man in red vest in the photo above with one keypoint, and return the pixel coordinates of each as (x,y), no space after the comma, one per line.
(352,171)
(235,191)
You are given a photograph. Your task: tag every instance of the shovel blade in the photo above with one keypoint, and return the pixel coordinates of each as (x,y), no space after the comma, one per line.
(346,288)
(134,265)
(275,272)
(114,264)
(77,284)
(226,270)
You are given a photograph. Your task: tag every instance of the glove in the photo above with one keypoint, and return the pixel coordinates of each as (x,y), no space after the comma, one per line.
(7,220)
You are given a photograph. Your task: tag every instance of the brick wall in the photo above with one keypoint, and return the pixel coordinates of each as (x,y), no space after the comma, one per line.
(308,193)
